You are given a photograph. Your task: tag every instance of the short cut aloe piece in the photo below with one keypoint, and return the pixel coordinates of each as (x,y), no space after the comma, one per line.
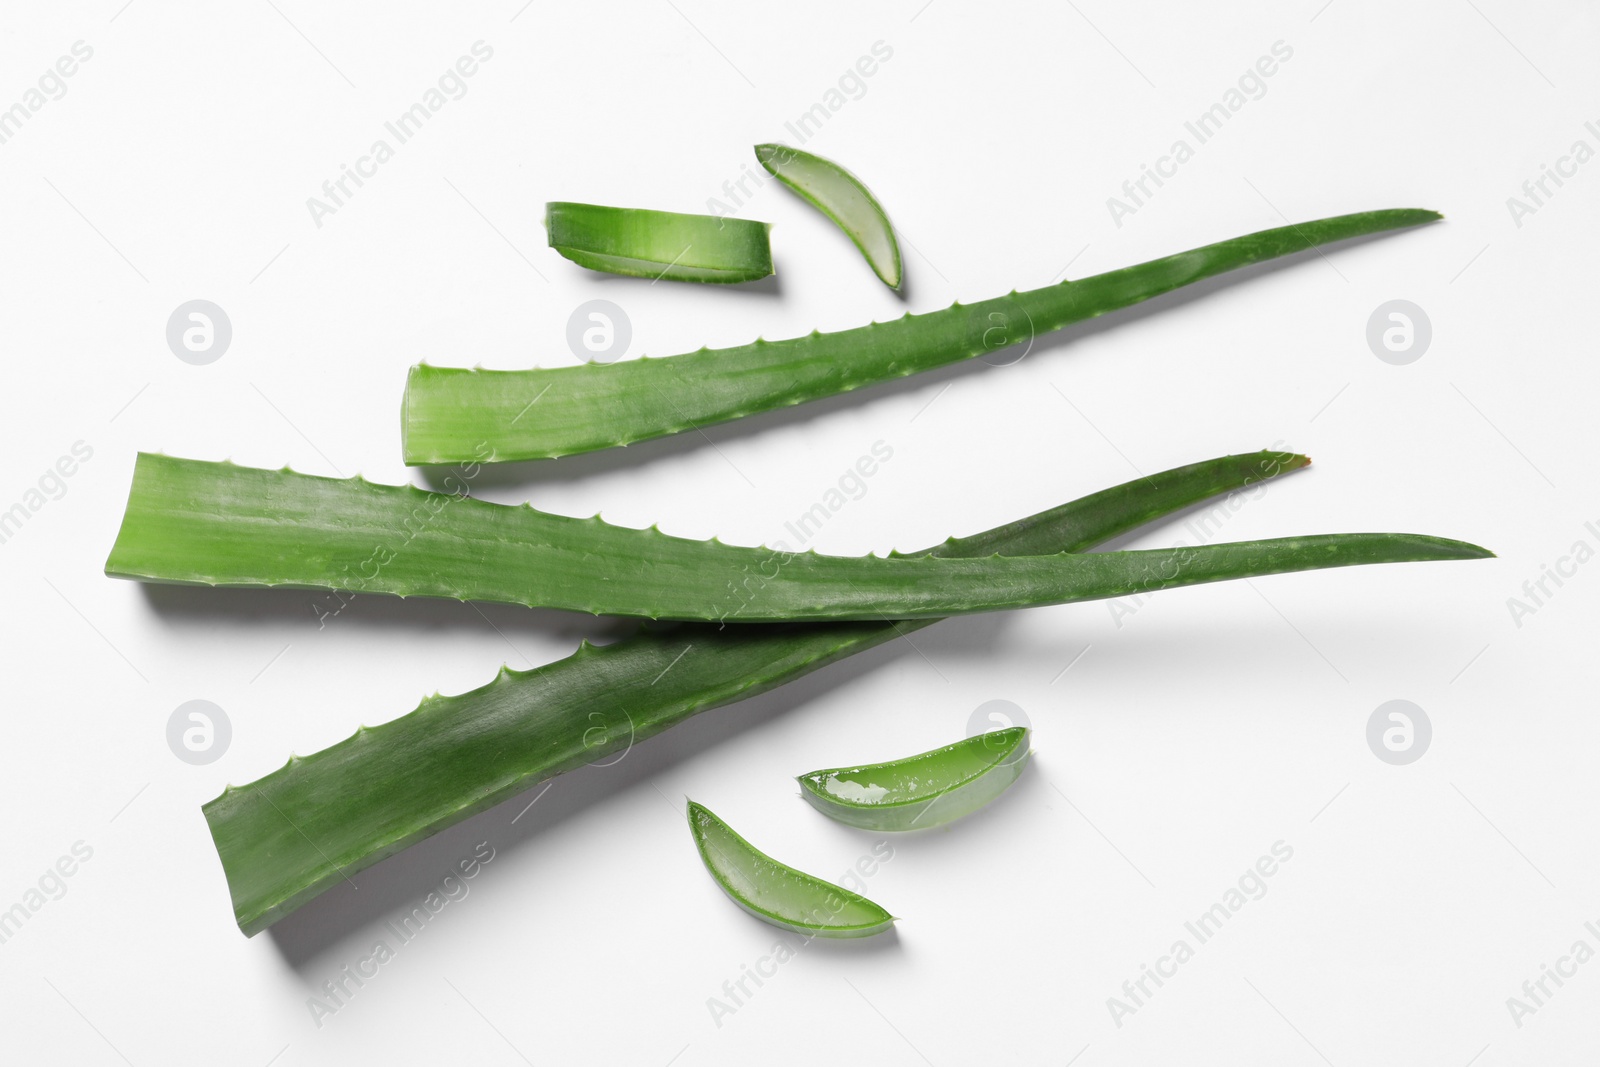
(543,413)
(922,791)
(842,197)
(317,822)
(660,244)
(201,523)
(777,893)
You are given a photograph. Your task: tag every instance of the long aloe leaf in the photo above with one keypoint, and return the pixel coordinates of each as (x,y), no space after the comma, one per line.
(322,818)
(451,413)
(197,522)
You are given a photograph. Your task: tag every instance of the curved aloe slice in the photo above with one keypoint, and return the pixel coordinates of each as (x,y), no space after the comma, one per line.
(321,819)
(659,244)
(451,414)
(842,197)
(921,791)
(777,893)
(201,523)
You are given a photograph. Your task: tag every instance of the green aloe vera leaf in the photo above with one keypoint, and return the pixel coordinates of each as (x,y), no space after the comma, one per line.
(450,413)
(323,818)
(777,893)
(922,791)
(201,523)
(660,244)
(842,197)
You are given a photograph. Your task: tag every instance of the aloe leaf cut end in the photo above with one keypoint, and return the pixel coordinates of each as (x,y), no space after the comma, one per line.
(842,197)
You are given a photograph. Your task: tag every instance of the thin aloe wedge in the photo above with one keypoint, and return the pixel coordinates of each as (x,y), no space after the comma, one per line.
(195,522)
(660,244)
(922,791)
(777,893)
(321,819)
(842,197)
(449,413)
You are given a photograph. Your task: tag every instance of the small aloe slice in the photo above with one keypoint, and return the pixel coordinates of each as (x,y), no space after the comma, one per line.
(659,244)
(777,893)
(842,197)
(921,791)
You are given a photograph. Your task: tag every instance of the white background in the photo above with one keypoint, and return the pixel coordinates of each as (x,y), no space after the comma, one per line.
(1186,738)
